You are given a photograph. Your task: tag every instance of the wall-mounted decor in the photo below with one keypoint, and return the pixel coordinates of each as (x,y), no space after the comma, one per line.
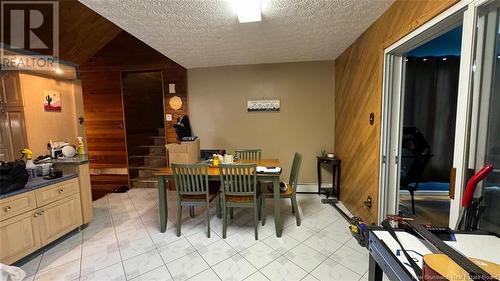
(51,101)
(263,105)
(171,88)
(175,103)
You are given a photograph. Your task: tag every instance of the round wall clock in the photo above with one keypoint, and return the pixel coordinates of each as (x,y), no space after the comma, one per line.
(175,103)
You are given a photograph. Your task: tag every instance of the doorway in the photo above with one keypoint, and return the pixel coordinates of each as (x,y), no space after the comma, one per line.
(476,127)
(145,133)
(429,120)
(396,175)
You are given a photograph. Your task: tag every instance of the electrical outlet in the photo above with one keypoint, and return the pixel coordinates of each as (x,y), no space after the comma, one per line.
(368,202)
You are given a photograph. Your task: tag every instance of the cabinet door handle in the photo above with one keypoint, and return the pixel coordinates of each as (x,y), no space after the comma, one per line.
(8,208)
(61,191)
(42,212)
(37,214)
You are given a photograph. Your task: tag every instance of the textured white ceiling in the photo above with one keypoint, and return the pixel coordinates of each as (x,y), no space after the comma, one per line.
(202,33)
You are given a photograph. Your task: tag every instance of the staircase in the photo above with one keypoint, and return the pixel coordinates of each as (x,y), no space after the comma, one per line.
(145,159)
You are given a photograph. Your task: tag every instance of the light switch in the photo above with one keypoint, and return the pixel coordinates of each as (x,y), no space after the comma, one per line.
(168,117)
(171,88)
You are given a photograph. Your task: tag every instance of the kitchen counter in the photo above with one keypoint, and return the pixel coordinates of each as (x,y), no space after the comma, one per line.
(39,182)
(77,160)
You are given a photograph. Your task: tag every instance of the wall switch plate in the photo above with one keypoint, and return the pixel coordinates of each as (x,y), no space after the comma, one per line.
(168,117)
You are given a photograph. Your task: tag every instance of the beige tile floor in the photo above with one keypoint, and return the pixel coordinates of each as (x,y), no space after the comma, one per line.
(124,243)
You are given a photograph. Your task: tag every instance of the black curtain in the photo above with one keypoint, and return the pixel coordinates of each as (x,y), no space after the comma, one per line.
(430,104)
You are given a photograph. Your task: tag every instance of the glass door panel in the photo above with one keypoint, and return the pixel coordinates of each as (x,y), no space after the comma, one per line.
(485,125)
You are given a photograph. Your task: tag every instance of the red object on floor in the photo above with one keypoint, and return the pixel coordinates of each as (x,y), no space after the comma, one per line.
(472,184)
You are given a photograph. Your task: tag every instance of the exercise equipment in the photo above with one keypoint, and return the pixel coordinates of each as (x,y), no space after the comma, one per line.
(415,155)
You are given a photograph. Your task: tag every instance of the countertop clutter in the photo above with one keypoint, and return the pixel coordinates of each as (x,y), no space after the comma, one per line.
(39,182)
(77,160)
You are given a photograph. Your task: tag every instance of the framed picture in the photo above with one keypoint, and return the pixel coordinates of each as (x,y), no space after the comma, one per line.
(263,105)
(51,101)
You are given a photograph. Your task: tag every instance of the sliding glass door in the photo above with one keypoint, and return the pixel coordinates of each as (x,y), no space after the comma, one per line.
(484,141)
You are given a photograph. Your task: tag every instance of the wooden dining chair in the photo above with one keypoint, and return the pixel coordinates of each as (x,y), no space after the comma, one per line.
(248,154)
(290,192)
(239,190)
(191,184)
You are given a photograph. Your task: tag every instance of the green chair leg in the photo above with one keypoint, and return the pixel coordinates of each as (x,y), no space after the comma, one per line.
(191,211)
(224,222)
(293,205)
(259,207)
(179,218)
(162,193)
(208,218)
(218,206)
(255,219)
(263,210)
(296,209)
(231,213)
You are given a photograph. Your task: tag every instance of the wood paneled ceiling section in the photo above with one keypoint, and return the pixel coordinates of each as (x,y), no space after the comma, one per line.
(82,32)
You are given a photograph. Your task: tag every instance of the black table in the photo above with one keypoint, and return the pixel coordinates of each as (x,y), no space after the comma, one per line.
(334,163)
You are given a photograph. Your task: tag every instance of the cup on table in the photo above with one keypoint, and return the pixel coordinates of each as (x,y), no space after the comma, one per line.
(228,159)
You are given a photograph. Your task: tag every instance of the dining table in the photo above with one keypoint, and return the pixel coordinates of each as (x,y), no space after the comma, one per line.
(165,175)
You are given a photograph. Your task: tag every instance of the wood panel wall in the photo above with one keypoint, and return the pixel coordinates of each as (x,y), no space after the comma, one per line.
(179,77)
(102,101)
(358,92)
(102,96)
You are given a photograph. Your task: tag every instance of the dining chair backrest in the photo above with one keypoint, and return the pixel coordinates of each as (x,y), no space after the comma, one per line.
(294,173)
(238,179)
(190,179)
(248,154)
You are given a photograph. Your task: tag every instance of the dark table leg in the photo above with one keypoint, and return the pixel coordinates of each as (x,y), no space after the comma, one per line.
(374,270)
(319,177)
(334,176)
(337,182)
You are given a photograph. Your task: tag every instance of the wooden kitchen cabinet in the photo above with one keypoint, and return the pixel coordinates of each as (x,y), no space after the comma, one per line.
(19,236)
(12,132)
(10,89)
(56,191)
(4,140)
(59,218)
(28,224)
(16,205)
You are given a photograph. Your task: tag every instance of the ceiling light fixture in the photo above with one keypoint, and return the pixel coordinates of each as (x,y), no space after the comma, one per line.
(248,10)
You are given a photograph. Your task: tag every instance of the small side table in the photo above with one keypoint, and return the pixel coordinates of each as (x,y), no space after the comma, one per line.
(335,165)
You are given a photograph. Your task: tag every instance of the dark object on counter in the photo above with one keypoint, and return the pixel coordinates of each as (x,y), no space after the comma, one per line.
(206,154)
(183,128)
(42,159)
(13,176)
(120,189)
(54,174)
